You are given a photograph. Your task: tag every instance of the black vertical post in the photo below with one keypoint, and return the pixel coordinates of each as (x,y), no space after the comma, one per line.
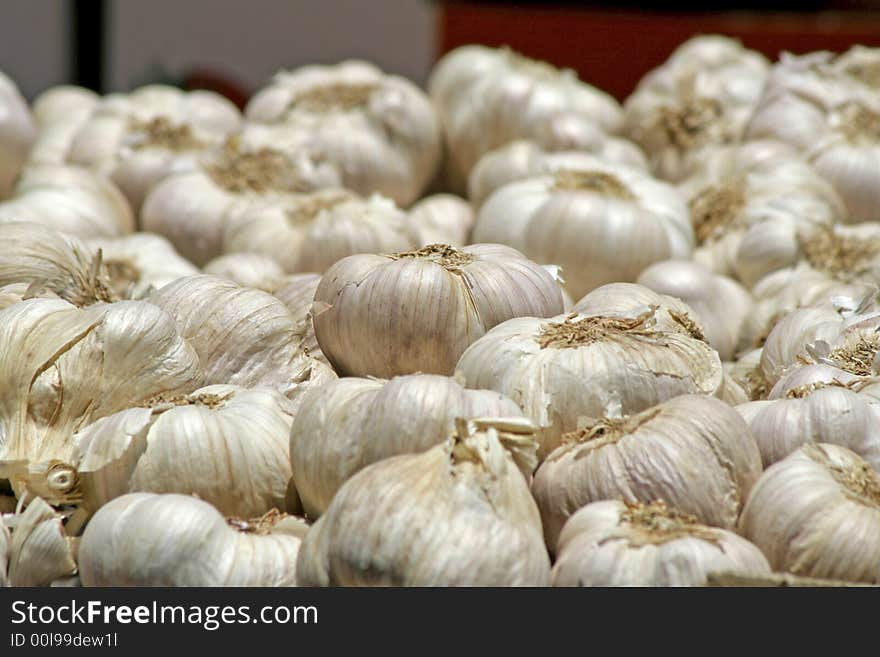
(88,19)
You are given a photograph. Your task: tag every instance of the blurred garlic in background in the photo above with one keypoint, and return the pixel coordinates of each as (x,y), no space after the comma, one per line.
(17,133)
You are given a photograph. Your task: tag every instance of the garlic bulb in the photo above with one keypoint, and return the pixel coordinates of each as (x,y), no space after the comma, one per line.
(297,292)
(417,311)
(348,424)
(700,98)
(224,444)
(816,404)
(309,232)
(459,514)
(621,351)
(243,336)
(40,551)
(143,539)
(817,513)
(63,367)
(60,113)
(17,133)
(601,223)
(248,269)
(523,159)
(719,303)
(192,207)
(442,219)
(379,131)
(694,452)
(488,97)
(138,263)
(613,543)
(137,139)
(70,199)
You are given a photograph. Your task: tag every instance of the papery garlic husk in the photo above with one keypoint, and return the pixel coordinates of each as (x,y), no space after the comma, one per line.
(60,113)
(458,514)
(249,170)
(816,404)
(40,551)
(720,304)
(309,232)
(350,423)
(297,292)
(694,452)
(5,541)
(144,539)
(745,185)
(138,263)
(622,350)
(488,97)
(70,199)
(226,445)
(523,159)
(700,98)
(601,224)
(248,269)
(17,132)
(50,262)
(379,131)
(63,367)
(136,139)
(614,543)
(243,336)
(817,513)
(417,311)
(442,219)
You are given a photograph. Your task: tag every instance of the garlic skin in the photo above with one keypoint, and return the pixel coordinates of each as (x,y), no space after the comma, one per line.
(226,445)
(60,113)
(243,336)
(817,513)
(40,551)
(143,539)
(309,232)
(70,199)
(523,159)
(17,132)
(379,131)
(417,311)
(694,452)
(720,304)
(5,540)
(488,97)
(350,423)
(442,219)
(458,514)
(297,292)
(612,543)
(601,223)
(622,350)
(248,269)
(136,139)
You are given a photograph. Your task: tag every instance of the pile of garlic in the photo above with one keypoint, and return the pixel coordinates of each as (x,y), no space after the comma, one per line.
(503,331)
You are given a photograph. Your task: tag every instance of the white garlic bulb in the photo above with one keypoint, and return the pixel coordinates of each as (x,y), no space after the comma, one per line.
(309,232)
(622,350)
(817,513)
(243,336)
(60,113)
(137,139)
(248,269)
(350,423)
(700,98)
(17,132)
(601,223)
(297,292)
(488,97)
(693,452)
(379,131)
(613,543)
(719,303)
(143,539)
(70,199)
(523,159)
(459,514)
(40,551)
(442,219)
(417,311)
(224,444)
